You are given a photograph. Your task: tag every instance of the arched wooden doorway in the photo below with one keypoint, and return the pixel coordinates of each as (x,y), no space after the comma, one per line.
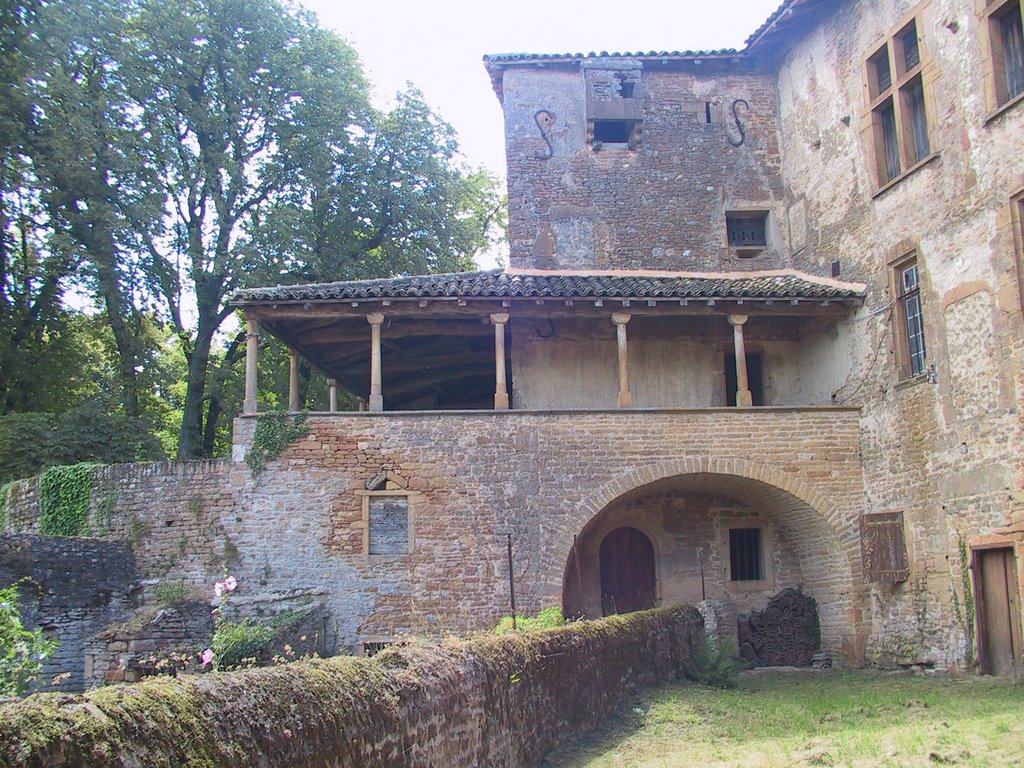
(627,572)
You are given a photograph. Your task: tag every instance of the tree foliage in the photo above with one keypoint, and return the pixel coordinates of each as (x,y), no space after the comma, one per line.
(159,154)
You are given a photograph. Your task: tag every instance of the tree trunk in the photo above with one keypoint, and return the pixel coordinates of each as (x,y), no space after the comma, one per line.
(190,439)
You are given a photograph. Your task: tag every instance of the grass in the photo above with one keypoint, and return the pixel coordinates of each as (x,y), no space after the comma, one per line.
(813,719)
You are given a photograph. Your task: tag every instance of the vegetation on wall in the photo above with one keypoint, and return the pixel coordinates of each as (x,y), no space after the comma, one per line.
(22,651)
(274,432)
(64,496)
(964,610)
(376,708)
(546,619)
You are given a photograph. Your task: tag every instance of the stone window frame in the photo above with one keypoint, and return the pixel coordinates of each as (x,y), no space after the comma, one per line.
(412,499)
(898,112)
(902,342)
(767,582)
(991,14)
(1017,225)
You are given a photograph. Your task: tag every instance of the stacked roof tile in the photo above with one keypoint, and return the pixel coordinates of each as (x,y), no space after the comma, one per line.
(498,284)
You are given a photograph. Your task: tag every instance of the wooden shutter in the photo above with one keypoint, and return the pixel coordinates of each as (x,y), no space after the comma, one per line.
(389,525)
(883,547)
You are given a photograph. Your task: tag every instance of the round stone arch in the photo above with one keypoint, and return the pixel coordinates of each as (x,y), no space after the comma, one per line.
(824,534)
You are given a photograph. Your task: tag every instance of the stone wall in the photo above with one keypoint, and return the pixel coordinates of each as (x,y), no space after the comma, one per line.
(299,527)
(945,447)
(493,701)
(72,589)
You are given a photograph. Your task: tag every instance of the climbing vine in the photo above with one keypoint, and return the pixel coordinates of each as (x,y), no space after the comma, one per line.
(275,431)
(64,495)
(5,492)
(965,614)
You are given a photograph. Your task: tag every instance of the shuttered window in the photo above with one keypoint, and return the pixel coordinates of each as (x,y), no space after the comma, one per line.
(883,547)
(388,525)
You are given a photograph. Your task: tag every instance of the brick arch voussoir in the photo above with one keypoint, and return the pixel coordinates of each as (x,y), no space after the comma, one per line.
(812,497)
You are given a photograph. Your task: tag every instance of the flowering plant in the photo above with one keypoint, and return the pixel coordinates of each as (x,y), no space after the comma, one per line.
(221,590)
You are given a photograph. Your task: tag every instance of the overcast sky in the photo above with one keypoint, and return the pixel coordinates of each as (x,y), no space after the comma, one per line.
(438,45)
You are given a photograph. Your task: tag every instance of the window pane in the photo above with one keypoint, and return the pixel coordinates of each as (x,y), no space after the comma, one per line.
(880,61)
(887,115)
(911,52)
(918,121)
(910,298)
(1013,51)
(745,562)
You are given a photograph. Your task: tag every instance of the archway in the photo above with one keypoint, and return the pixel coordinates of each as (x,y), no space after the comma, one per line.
(628,581)
(695,521)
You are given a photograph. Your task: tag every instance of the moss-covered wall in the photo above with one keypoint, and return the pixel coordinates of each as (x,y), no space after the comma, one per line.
(492,701)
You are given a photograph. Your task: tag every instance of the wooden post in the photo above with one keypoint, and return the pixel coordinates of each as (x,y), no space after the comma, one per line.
(625,396)
(293,380)
(743,396)
(375,319)
(332,395)
(501,402)
(252,341)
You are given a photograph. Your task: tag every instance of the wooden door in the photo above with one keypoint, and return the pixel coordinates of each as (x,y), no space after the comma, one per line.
(627,572)
(998,606)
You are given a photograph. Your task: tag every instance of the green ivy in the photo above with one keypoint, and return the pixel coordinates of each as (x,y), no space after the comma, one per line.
(64,495)
(5,492)
(275,431)
(968,606)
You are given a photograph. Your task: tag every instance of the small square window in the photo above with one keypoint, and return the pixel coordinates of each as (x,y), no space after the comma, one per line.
(613,131)
(746,561)
(747,229)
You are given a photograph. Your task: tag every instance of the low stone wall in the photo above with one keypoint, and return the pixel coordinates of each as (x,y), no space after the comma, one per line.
(494,701)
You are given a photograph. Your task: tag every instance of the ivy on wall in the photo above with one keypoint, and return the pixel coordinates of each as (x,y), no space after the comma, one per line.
(5,491)
(64,495)
(275,431)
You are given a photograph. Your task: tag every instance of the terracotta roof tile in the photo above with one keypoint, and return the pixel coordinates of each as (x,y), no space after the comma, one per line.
(513,283)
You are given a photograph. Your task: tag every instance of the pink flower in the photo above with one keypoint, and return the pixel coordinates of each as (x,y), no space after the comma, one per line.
(206,656)
(230,583)
(218,588)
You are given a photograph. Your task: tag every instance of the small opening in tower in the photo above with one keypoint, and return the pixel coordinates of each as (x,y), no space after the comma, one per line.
(612,131)
(626,90)
(707,112)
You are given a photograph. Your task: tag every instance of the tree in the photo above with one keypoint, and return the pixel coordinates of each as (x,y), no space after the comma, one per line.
(187,148)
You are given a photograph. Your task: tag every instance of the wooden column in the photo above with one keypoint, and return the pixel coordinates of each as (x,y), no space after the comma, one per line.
(293,380)
(375,320)
(625,396)
(332,395)
(252,342)
(501,402)
(743,396)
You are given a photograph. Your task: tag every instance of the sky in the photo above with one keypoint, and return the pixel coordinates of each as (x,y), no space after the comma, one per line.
(438,46)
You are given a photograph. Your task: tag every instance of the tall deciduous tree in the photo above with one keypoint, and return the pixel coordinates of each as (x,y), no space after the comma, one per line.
(187,148)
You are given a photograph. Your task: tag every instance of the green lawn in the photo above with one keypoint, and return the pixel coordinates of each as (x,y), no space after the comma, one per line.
(813,719)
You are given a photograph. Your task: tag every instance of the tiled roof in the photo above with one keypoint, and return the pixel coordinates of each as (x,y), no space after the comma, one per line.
(776,15)
(499,58)
(514,283)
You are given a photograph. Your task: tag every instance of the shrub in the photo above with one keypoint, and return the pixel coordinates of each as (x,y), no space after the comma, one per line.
(714,663)
(172,592)
(22,651)
(546,619)
(240,644)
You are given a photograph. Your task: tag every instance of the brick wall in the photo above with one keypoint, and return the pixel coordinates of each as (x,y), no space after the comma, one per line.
(298,528)
(660,206)
(492,701)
